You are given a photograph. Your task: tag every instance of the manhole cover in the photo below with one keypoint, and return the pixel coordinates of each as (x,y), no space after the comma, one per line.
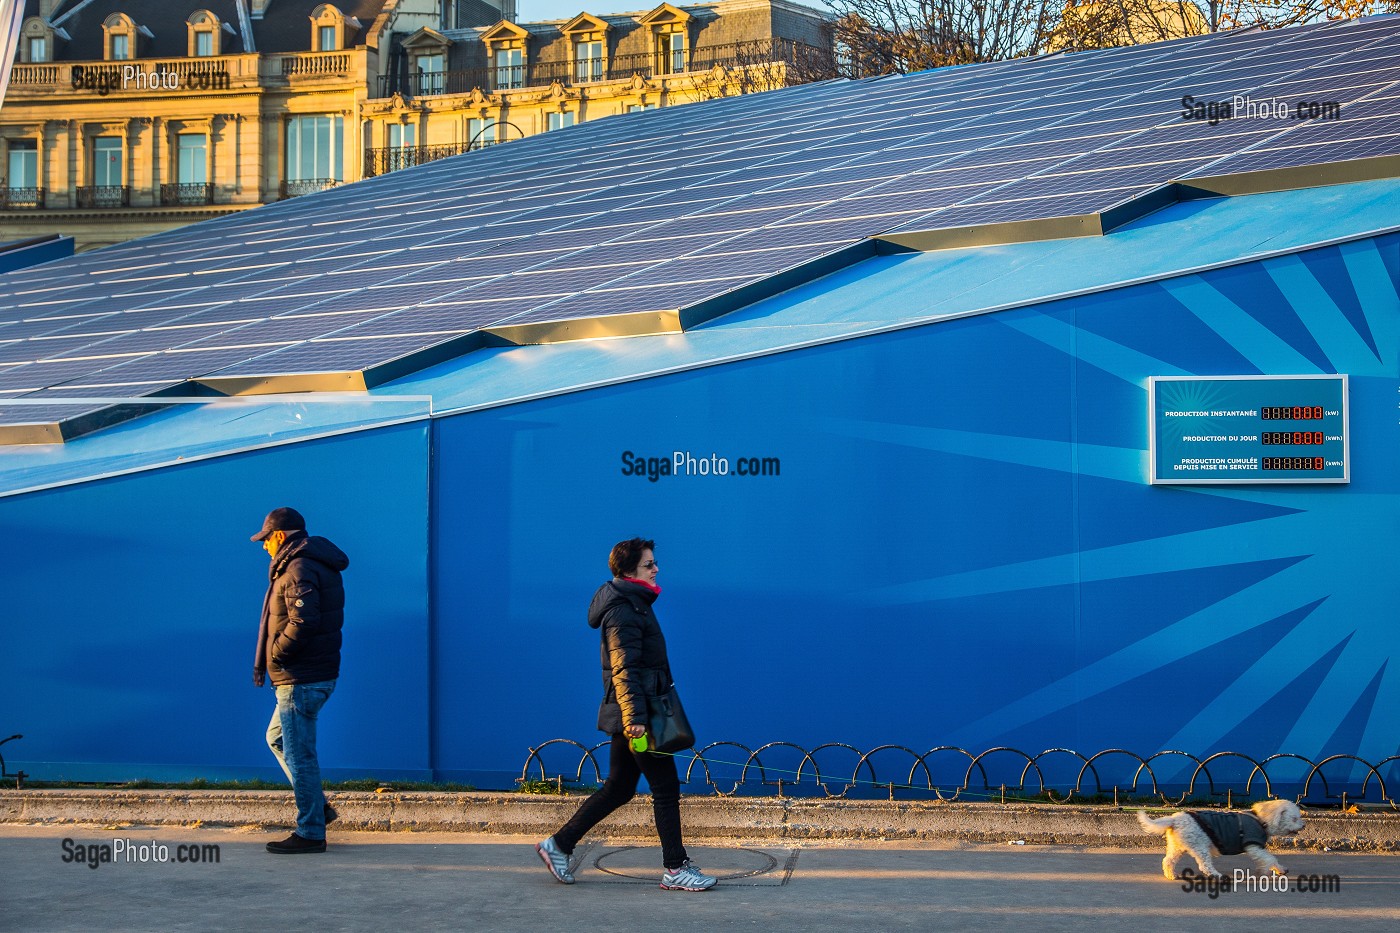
(743,866)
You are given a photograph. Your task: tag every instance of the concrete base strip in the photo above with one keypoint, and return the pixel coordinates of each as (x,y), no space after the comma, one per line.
(704,817)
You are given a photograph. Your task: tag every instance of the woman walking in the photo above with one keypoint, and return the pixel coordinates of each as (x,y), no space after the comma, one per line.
(635,666)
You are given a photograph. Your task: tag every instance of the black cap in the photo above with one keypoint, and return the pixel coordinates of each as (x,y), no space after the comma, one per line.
(283,519)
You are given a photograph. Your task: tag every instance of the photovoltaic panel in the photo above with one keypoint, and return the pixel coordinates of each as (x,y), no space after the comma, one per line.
(681,205)
(34,377)
(1302,155)
(435,319)
(330,355)
(547,279)
(283,330)
(468,312)
(43,414)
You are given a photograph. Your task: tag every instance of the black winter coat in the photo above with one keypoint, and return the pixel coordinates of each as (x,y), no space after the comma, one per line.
(299,636)
(633,652)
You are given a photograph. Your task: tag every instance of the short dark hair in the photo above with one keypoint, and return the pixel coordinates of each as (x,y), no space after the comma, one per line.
(626,555)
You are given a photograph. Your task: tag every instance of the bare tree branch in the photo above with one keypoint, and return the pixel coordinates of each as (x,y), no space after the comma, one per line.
(874,37)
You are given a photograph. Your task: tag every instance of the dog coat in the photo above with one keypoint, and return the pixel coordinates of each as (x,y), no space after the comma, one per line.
(1231,832)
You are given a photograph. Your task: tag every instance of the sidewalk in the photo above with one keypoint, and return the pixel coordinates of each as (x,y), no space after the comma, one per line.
(463,881)
(711,818)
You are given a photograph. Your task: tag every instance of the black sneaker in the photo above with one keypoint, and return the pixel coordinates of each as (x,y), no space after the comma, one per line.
(331,815)
(295,845)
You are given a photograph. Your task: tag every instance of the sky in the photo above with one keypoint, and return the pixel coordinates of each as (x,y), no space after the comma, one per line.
(537,10)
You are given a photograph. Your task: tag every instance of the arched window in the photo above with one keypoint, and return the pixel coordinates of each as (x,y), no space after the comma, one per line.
(119,37)
(205,34)
(327,29)
(36,42)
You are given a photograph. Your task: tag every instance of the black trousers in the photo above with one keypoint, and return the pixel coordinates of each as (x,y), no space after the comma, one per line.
(625,767)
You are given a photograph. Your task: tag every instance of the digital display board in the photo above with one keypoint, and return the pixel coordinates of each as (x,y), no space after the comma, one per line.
(1248,429)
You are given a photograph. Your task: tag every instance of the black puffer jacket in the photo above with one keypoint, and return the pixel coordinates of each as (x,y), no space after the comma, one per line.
(299,637)
(633,653)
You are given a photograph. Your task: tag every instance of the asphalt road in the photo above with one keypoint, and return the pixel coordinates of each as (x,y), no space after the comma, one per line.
(452,881)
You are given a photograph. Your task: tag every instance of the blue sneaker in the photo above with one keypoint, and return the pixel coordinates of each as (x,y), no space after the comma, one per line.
(555,860)
(686,878)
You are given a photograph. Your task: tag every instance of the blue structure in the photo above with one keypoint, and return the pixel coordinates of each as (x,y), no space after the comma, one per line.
(906,501)
(17,254)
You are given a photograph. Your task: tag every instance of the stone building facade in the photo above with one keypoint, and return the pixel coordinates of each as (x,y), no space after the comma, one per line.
(453,89)
(129,117)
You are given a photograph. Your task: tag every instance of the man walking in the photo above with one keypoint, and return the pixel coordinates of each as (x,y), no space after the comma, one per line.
(299,648)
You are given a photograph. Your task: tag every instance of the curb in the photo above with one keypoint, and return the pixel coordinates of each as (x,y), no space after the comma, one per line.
(712,818)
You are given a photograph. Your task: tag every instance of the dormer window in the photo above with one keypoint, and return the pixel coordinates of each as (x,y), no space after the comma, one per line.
(327,28)
(427,57)
(505,46)
(669,27)
(428,73)
(589,36)
(510,68)
(671,53)
(36,42)
(588,60)
(204,39)
(119,35)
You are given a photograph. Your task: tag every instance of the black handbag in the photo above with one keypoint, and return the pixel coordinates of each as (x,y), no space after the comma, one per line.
(668,728)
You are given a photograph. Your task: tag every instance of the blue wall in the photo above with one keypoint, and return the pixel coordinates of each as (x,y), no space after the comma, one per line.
(962,547)
(131,614)
(14,256)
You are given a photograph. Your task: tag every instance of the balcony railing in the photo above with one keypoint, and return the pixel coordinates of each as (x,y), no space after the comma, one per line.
(34,75)
(515,77)
(296,187)
(138,76)
(101,196)
(21,199)
(223,72)
(615,68)
(186,195)
(327,64)
(383,161)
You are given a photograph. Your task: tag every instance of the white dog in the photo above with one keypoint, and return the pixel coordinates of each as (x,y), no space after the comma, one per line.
(1197,832)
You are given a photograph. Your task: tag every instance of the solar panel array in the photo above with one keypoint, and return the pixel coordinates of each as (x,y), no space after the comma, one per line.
(659,211)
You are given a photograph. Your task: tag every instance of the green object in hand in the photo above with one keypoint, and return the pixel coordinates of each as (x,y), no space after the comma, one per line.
(639,744)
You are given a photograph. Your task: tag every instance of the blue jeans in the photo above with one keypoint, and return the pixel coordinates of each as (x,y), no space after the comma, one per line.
(292,737)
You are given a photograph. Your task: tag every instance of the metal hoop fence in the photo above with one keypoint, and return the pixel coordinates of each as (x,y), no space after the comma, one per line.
(834,770)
